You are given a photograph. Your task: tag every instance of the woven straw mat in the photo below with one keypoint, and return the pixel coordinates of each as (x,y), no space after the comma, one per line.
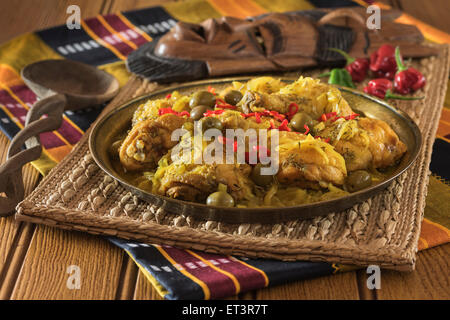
(383,230)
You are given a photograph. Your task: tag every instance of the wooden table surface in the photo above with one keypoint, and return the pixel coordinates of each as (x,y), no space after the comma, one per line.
(34,258)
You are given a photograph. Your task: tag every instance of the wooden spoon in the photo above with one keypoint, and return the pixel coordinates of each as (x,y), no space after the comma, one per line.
(61,85)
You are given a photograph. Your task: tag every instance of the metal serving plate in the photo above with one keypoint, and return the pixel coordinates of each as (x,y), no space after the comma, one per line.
(119,121)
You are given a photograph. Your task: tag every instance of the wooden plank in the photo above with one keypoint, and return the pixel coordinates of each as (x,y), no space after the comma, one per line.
(44,272)
(14,237)
(128,279)
(15,259)
(430,280)
(106,271)
(145,290)
(364,292)
(16,18)
(339,286)
(8,227)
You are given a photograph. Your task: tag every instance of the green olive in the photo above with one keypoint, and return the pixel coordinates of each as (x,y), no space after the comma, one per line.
(259,178)
(188,126)
(198,111)
(299,120)
(220,199)
(202,98)
(358,180)
(233,97)
(211,123)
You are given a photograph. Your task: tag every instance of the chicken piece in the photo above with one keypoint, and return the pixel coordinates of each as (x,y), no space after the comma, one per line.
(254,101)
(385,145)
(148,141)
(368,143)
(311,96)
(194,182)
(308,163)
(188,182)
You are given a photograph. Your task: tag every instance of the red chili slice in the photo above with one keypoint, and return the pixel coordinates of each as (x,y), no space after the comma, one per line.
(183,113)
(212,90)
(276,115)
(326,116)
(284,126)
(352,116)
(170,110)
(257,117)
(293,109)
(306,128)
(222,104)
(213,112)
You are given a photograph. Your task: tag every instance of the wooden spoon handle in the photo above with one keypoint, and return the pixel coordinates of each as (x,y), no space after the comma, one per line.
(11,171)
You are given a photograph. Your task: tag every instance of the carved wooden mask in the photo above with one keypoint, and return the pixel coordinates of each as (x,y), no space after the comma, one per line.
(273,42)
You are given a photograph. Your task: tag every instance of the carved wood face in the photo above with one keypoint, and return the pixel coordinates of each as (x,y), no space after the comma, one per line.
(272,38)
(273,42)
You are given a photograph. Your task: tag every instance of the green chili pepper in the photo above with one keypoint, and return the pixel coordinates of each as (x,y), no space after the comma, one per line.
(340,77)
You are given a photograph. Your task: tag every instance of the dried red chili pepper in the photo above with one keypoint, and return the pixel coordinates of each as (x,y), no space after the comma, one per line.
(212,90)
(170,110)
(284,126)
(407,80)
(265,113)
(382,62)
(257,117)
(352,116)
(382,88)
(306,128)
(213,112)
(223,105)
(326,116)
(356,67)
(278,116)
